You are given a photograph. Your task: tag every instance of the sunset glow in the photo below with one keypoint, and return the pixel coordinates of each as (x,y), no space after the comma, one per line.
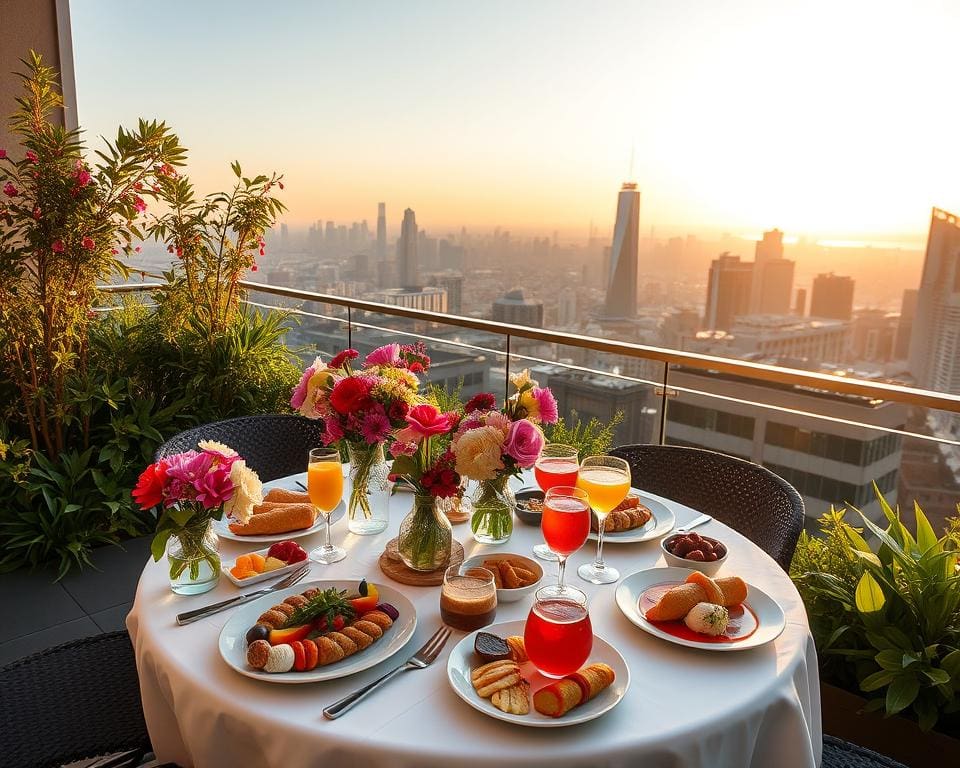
(834,120)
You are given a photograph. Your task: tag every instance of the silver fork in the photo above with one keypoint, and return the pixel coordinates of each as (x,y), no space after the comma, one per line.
(421,659)
(199,613)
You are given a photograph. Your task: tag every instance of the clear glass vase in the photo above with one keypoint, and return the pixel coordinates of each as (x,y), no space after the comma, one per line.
(426,537)
(368,506)
(493,503)
(193,554)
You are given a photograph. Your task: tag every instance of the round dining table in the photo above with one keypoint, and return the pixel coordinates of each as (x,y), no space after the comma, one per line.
(684,706)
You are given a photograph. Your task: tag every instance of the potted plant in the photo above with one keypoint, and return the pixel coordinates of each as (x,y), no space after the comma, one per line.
(886,622)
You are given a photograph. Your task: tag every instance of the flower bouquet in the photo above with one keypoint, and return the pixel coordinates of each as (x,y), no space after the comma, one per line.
(490,446)
(361,408)
(194,488)
(422,457)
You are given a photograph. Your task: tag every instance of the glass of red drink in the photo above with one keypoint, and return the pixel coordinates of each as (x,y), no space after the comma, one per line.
(558,636)
(558,465)
(565,525)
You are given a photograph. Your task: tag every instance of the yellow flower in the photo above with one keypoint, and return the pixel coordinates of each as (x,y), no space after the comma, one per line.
(531,405)
(478,453)
(519,380)
(213,445)
(247,492)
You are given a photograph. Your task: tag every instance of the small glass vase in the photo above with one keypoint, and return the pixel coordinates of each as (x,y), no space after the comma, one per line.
(493,503)
(368,506)
(426,537)
(193,554)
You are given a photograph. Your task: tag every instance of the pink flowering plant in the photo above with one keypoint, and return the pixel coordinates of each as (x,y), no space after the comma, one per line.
(362,404)
(491,445)
(192,489)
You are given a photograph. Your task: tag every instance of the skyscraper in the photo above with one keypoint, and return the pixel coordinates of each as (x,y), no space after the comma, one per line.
(832,297)
(728,291)
(381,231)
(935,340)
(908,310)
(772,287)
(624,255)
(407,266)
(770,247)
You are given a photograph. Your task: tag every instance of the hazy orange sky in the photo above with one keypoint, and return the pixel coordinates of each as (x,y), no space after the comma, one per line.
(823,118)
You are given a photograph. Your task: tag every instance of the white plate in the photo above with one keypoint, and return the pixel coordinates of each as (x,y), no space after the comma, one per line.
(769,614)
(233,643)
(225,567)
(222,529)
(661,522)
(462,659)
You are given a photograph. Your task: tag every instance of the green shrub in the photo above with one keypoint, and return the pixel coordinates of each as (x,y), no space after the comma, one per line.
(886,619)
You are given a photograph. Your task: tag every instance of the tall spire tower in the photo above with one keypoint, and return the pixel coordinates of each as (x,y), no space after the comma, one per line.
(624,255)
(407,263)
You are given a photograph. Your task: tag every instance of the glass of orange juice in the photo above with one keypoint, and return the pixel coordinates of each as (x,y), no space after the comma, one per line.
(325,486)
(606,479)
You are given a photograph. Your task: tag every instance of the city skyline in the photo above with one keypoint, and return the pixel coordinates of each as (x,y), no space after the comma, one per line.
(529,119)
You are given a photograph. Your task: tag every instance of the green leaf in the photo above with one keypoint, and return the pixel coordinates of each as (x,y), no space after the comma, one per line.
(869,597)
(902,693)
(937,676)
(159,544)
(951,663)
(877,680)
(926,538)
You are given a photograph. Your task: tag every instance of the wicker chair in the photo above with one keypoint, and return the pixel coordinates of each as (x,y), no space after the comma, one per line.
(73,702)
(838,753)
(275,445)
(749,498)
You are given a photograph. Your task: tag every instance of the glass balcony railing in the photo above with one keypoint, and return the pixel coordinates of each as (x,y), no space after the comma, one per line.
(832,437)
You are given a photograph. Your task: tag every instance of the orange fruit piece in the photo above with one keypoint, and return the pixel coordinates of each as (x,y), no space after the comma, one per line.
(257,562)
(243,563)
(241,573)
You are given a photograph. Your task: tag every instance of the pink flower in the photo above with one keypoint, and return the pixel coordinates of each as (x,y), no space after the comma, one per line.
(426,420)
(388,354)
(88,243)
(182,470)
(3,154)
(57,246)
(332,430)
(83,178)
(137,249)
(139,204)
(352,394)
(524,443)
(9,190)
(32,156)
(400,448)
(548,404)
(254,268)
(299,394)
(375,427)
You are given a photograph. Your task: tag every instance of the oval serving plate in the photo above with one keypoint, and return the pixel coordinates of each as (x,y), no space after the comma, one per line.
(661,522)
(233,643)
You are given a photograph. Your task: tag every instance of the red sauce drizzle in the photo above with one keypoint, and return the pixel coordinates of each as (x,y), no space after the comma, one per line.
(743,621)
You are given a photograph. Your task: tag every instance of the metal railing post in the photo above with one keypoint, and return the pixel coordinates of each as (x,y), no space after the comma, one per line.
(349,328)
(506,372)
(663,404)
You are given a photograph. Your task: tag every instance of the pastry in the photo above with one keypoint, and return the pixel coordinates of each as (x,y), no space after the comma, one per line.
(518,650)
(283,496)
(629,514)
(510,573)
(677,602)
(514,700)
(281,519)
(558,698)
(495,676)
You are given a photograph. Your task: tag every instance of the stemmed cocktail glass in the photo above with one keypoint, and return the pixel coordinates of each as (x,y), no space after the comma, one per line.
(565,525)
(606,479)
(558,465)
(325,487)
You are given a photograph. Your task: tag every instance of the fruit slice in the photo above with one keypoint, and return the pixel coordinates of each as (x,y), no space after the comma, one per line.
(281,636)
(363,604)
(257,562)
(272,563)
(312,654)
(299,656)
(241,573)
(244,563)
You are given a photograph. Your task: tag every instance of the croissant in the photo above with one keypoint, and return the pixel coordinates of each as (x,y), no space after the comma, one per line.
(629,514)
(677,602)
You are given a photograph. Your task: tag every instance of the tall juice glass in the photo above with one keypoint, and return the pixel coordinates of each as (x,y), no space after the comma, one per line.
(565,526)
(558,465)
(325,487)
(606,479)
(558,635)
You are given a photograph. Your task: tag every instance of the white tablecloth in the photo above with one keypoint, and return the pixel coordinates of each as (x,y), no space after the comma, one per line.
(684,707)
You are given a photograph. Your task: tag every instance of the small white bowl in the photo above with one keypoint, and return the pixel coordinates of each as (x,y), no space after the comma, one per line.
(708,568)
(226,566)
(510,595)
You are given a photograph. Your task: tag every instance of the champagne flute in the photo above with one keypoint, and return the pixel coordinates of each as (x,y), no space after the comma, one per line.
(565,526)
(606,479)
(557,465)
(325,486)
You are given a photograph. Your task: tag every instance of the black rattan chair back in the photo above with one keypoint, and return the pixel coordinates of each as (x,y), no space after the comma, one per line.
(274,445)
(72,702)
(749,498)
(838,753)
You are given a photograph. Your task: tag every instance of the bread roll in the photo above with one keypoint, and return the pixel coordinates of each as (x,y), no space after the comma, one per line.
(282,519)
(677,602)
(573,690)
(284,496)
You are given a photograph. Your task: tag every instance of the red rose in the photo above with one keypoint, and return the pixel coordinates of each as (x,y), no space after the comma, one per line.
(481,402)
(426,420)
(416,367)
(351,395)
(398,409)
(341,357)
(149,490)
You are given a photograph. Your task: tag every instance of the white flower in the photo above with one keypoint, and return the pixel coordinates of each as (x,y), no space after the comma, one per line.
(247,492)
(213,445)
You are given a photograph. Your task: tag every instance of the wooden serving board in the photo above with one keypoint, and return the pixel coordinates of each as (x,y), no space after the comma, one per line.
(396,569)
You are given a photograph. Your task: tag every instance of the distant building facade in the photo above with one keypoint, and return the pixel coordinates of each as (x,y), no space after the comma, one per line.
(408,267)
(381,232)
(908,310)
(729,285)
(513,307)
(429,299)
(621,300)
(832,297)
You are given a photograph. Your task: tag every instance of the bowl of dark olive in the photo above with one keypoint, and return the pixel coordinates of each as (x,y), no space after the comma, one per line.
(691,550)
(529,506)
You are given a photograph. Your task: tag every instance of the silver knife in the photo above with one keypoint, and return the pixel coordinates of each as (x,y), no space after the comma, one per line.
(199,613)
